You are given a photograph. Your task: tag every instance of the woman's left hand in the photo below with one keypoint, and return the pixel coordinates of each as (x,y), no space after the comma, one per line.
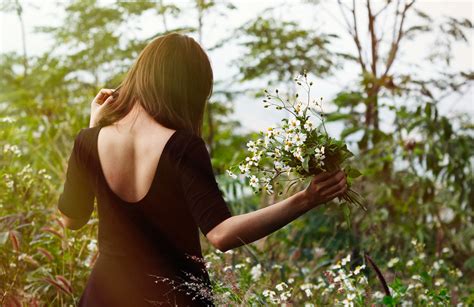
(101,99)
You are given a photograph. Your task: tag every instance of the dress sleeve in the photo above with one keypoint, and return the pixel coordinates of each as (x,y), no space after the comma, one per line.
(77,199)
(201,192)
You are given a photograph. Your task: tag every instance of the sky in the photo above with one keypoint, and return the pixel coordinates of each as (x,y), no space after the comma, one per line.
(250,111)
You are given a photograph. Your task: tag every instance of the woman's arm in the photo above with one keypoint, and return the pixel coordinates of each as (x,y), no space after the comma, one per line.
(245,228)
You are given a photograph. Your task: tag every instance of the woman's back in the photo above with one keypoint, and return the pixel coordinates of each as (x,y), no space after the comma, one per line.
(138,154)
(154,192)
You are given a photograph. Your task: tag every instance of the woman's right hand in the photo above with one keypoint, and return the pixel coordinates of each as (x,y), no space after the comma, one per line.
(325,187)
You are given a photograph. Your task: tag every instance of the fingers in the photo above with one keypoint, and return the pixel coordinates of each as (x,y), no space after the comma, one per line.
(103,93)
(108,100)
(340,185)
(338,193)
(332,180)
(323,176)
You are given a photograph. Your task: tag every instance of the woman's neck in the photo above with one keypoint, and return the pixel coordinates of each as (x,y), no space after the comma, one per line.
(136,120)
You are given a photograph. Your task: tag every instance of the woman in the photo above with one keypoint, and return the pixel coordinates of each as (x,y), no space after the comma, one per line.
(144,160)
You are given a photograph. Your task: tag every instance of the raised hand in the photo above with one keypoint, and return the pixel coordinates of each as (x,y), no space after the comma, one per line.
(101,99)
(325,187)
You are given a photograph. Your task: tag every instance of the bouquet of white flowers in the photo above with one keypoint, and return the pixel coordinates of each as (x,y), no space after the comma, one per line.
(297,148)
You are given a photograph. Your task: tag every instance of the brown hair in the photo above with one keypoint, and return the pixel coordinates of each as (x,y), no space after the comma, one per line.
(172,80)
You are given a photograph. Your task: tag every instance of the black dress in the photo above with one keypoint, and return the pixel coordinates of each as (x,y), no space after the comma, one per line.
(142,243)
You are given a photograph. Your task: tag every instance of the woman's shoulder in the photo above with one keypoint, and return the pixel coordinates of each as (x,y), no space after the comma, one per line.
(189,146)
(192,142)
(85,135)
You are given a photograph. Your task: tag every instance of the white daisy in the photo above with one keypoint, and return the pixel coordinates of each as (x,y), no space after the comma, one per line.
(254,181)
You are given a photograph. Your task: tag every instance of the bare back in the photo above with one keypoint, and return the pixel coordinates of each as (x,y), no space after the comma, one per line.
(129,158)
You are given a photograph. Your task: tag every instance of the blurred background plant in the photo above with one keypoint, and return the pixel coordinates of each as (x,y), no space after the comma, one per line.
(416,155)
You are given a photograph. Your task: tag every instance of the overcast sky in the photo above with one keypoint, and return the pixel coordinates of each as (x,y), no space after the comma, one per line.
(325,17)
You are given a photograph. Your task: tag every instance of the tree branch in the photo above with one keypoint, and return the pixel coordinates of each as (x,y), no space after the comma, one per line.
(396,42)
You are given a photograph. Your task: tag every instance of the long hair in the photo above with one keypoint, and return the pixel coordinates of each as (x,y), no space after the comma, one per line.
(172,80)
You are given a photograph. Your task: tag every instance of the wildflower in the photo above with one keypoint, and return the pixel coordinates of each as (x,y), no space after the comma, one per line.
(437,264)
(319,153)
(308,125)
(307,289)
(363,280)
(278,165)
(281,286)
(267,141)
(9,181)
(265,180)
(269,189)
(256,272)
(439,282)
(277,153)
(244,168)
(270,131)
(256,158)
(410,263)
(285,296)
(14,149)
(291,280)
(254,181)
(251,146)
(294,123)
(298,154)
(299,138)
(7,119)
(288,145)
(346,260)
(423,297)
(276,266)
(231,174)
(378,295)
(319,156)
(392,262)
(358,269)
(299,108)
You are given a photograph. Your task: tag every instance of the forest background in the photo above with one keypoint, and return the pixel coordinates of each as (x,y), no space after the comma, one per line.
(396,78)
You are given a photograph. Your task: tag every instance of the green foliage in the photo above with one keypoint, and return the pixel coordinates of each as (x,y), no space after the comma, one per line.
(417,168)
(279,50)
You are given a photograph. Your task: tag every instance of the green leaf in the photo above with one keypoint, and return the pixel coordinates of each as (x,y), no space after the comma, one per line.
(388,300)
(353,172)
(337,116)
